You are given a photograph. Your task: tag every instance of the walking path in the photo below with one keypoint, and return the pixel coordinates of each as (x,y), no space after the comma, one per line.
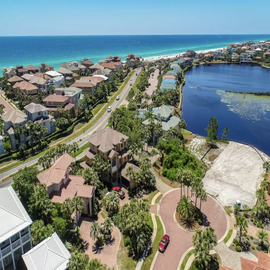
(153,81)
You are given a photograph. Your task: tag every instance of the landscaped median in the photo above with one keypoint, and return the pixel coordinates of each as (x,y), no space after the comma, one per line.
(149,259)
(183,265)
(99,114)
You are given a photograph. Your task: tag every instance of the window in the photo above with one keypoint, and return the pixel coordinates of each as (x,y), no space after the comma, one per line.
(39,113)
(93,147)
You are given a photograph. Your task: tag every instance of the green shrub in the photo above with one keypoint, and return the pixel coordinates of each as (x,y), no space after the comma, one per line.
(244,233)
(235,241)
(247,238)
(200,221)
(127,241)
(54,213)
(251,237)
(265,251)
(238,249)
(248,243)
(258,248)
(253,247)
(254,242)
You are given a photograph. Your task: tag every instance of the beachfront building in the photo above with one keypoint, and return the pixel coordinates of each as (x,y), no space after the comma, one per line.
(165,115)
(9,72)
(44,68)
(61,185)
(87,63)
(132,60)
(15,236)
(14,79)
(25,88)
(39,113)
(111,145)
(51,252)
(53,101)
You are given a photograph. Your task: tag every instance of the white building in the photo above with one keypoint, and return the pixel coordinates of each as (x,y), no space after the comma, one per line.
(15,236)
(49,254)
(39,113)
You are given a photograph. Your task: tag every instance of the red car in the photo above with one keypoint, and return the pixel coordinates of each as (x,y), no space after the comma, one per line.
(119,192)
(164,243)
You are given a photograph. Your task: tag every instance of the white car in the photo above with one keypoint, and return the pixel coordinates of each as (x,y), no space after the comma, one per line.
(117,98)
(109,109)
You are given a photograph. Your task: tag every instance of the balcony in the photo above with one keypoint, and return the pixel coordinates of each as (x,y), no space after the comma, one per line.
(16,243)
(25,238)
(114,168)
(6,251)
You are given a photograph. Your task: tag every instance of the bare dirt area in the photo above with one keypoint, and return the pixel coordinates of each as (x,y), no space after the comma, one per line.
(199,147)
(236,174)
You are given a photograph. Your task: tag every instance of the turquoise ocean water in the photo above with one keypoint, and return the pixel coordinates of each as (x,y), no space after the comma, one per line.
(54,50)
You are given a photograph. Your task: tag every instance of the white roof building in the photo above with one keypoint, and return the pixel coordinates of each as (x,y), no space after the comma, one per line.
(50,254)
(101,76)
(53,74)
(13,216)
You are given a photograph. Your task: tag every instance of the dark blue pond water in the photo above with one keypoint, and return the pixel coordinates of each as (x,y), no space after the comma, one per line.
(247,116)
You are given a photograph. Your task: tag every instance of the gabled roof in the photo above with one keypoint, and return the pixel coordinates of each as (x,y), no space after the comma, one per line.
(52,73)
(63,70)
(24,85)
(106,138)
(56,98)
(37,80)
(124,170)
(15,79)
(50,254)
(57,172)
(82,84)
(14,116)
(31,68)
(164,111)
(33,107)
(13,216)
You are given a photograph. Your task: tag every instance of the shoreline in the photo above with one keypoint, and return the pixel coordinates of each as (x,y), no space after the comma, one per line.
(171,56)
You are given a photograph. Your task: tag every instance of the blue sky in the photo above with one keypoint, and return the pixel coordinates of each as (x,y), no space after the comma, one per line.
(124,17)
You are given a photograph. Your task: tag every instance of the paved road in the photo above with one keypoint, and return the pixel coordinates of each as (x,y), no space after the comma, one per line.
(182,240)
(83,138)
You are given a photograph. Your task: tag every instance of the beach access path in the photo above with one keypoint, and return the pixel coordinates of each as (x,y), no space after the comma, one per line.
(83,138)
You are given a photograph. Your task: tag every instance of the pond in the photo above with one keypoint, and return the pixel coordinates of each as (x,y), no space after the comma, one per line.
(247,116)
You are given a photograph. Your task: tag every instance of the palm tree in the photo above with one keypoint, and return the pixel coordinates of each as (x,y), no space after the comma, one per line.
(241,223)
(203,197)
(37,231)
(18,133)
(264,185)
(185,208)
(112,203)
(181,181)
(260,194)
(196,187)
(171,133)
(78,206)
(68,207)
(42,161)
(91,178)
(95,264)
(95,230)
(187,179)
(74,148)
(263,237)
(78,261)
(107,226)
(266,166)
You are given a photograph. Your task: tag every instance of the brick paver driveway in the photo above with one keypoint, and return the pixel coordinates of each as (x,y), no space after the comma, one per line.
(182,240)
(107,255)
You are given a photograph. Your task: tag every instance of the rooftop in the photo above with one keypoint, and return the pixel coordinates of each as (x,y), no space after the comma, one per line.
(14,116)
(50,254)
(15,79)
(13,216)
(56,98)
(33,107)
(53,73)
(25,86)
(57,172)
(106,138)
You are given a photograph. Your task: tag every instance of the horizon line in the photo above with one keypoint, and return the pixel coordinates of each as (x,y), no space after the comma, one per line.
(133,35)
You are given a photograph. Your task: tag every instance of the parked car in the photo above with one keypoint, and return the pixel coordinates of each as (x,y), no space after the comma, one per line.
(117,98)
(109,109)
(131,84)
(164,243)
(119,192)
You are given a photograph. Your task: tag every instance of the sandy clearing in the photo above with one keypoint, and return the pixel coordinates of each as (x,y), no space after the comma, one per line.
(235,174)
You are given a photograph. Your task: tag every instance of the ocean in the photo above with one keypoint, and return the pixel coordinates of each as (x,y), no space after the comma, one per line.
(54,50)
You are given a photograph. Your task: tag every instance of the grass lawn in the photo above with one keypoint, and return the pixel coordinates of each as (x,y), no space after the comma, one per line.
(151,196)
(151,222)
(228,236)
(124,262)
(104,213)
(86,127)
(87,145)
(158,198)
(185,132)
(148,261)
(183,265)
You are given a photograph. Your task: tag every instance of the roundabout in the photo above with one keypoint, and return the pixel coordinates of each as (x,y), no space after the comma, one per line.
(180,239)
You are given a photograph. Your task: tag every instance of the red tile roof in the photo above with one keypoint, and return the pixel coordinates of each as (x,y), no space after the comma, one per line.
(31,68)
(25,86)
(108,65)
(56,98)
(82,84)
